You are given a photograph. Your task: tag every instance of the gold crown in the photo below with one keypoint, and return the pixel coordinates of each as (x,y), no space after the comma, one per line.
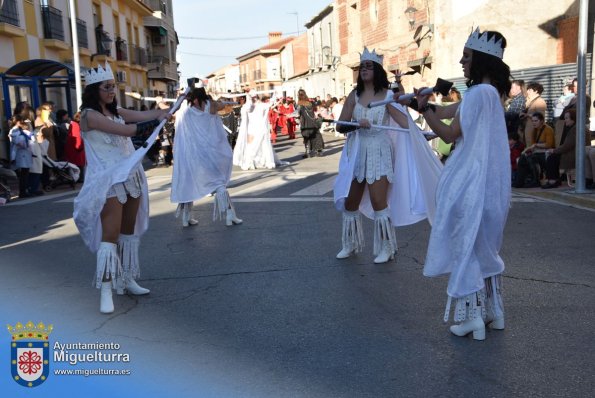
(30,331)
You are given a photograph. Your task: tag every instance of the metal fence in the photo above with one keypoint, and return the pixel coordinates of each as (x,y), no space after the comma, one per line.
(9,12)
(53,27)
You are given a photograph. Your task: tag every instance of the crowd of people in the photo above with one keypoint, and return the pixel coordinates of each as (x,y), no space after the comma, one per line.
(542,154)
(497,130)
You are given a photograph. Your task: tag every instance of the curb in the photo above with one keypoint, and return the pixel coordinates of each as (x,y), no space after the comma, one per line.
(565,196)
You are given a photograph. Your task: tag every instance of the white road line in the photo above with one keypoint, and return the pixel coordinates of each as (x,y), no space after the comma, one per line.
(263,185)
(318,189)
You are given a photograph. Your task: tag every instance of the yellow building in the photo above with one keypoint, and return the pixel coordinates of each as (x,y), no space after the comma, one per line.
(136,37)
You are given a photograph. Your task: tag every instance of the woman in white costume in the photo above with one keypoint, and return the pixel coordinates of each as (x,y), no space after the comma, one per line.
(389,176)
(253,148)
(473,195)
(111,211)
(203,158)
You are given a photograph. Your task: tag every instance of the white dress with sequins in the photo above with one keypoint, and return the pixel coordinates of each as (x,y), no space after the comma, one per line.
(113,170)
(374,158)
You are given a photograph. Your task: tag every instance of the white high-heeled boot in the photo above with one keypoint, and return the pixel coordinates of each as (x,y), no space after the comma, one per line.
(222,206)
(385,240)
(185,209)
(494,302)
(469,310)
(128,251)
(352,235)
(106,302)
(108,267)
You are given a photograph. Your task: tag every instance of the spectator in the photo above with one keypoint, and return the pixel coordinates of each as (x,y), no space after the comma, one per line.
(534,103)
(564,100)
(516,105)
(563,157)
(542,137)
(44,123)
(590,167)
(62,126)
(20,152)
(516,149)
(74,150)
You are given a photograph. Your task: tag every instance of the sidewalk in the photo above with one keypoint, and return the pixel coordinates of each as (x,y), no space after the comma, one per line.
(562,194)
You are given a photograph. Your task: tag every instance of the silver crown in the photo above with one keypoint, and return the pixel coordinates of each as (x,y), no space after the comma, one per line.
(370,56)
(480,42)
(99,75)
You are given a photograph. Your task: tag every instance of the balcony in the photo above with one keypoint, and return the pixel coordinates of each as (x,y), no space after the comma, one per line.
(257,75)
(161,68)
(81,32)
(121,52)
(9,20)
(138,55)
(104,42)
(53,28)
(9,13)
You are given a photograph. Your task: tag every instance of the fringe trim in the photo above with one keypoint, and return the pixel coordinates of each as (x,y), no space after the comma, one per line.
(108,265)
(128,251)
(221,203)
(179,210)
(384,232)
(353,233)
(494,302)
(469,307)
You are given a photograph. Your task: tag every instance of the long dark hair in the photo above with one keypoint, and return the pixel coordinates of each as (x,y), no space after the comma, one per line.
(198,93)
(380,80)
(483,65)
(91,100)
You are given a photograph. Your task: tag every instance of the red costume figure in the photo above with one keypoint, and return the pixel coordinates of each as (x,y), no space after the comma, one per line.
(74,149)
(285,121)
(273,118)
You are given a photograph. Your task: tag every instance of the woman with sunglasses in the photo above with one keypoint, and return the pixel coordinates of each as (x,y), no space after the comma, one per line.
(379,173)
(111,211)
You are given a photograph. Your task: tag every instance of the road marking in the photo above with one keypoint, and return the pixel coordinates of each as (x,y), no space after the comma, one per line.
(266,184)
(318,189)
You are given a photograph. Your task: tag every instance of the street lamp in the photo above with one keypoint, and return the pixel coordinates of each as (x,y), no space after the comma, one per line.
(410,11)
(104,42)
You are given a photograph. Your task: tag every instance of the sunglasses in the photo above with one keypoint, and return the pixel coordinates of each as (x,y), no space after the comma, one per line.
(108,88)
(366,65)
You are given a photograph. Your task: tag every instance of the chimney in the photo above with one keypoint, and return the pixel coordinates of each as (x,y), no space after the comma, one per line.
(274,36)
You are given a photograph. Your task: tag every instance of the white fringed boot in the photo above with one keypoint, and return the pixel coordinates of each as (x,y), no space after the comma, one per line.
(128,251)
(385,239)
(184,209)
(108,267)
(352,235)
(494,302)
(470,311)
(222,206)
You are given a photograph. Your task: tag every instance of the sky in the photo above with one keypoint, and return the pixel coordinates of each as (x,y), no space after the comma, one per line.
(235,19)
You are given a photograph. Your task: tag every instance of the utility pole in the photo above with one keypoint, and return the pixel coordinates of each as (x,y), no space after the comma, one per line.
(297,21)
(75,55)
(581,105)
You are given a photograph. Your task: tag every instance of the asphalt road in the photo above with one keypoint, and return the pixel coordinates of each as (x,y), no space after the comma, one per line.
(264,309)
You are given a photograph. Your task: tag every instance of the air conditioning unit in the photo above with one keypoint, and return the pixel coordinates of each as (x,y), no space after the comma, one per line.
(159,40)
(121,77)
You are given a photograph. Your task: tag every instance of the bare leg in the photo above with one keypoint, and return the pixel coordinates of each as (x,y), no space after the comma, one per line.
(356,191)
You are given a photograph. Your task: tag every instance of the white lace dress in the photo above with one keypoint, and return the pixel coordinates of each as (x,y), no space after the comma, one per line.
(374,158)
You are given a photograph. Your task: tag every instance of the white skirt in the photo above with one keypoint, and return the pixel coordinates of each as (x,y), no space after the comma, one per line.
(374,158)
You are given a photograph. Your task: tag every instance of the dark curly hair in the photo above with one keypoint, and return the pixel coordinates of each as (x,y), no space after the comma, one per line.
(91,100)
(483,64)
(380,80)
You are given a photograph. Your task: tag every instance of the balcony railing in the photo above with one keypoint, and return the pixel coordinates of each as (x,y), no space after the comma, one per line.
(9,12)
(103,40)
(257,74)
(138,55)
(81,32)
(52,23)
(158,59)
(121,50)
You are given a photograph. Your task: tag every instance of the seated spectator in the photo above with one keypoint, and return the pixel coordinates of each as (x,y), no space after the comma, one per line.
(534,103)
(563,157)
(534,155)
(516,149)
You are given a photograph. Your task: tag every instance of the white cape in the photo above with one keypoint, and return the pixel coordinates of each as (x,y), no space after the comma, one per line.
(411,196)
(203,156)
(98,180)
(473,197)
(253,147)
